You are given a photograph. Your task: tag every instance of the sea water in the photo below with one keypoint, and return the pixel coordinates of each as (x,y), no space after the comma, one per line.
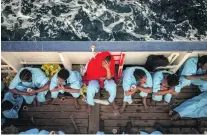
(104,20)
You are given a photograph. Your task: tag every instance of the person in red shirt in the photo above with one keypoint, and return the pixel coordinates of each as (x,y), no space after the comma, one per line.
(99,74)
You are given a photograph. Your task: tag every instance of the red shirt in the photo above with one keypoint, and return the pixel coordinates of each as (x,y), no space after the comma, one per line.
(95,70)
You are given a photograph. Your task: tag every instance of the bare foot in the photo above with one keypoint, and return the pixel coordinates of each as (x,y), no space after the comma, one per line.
(77,105)
(175,116)
(88,110)
(121,110)
(144,101)
(153,103)
(146,108)
(38,103)
(115,106)
(34,103)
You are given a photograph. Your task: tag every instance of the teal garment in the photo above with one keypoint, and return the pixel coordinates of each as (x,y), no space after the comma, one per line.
(153,133)
(17,101)
(157,80)
(30,132)
(3,120)
(190,68)
(194,108)
(93,88)
(100,133)
(35,131)
(74,81)
(2,86)
(39,79)
(129,80)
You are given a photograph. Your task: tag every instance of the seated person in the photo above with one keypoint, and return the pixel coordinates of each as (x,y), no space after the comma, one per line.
(100,73)
(13,130)
(11,104)
(192,108)
(31,83)
(66,81)
(136,79)
(42,132)
(194,72)
(127,130)
(164,83)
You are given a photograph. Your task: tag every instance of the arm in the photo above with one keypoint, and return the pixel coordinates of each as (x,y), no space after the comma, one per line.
(68,89)
(130,92)
(44,88)
(194,77)
(169,91)
(19,92)
(162,92)
(109,76)
(106,65)
(147,90)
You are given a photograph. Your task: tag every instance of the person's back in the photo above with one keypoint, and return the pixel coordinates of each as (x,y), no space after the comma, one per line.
(32,84)
(11,105)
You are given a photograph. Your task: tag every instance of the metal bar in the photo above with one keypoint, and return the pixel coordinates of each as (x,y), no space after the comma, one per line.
(84,46)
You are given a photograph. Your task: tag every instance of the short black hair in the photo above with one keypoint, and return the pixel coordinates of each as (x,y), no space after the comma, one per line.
(202,60)
(108,58)
(6,105)
(25,75)
(63,74)
(172,80)
(139,74)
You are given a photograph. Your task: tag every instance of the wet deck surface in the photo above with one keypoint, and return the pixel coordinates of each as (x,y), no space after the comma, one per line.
(57,115)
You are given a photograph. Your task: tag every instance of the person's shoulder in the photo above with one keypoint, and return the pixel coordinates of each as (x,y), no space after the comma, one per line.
(193,59)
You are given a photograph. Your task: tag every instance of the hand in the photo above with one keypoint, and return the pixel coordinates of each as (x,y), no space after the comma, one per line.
(61,87)
(171,91)
(32,92)
(106,65)
(102,78)
(128,92)
(133,87)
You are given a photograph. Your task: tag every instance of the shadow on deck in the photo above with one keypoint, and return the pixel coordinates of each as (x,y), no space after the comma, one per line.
(57,115)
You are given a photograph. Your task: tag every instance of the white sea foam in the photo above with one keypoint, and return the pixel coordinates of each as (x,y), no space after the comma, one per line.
(66,21)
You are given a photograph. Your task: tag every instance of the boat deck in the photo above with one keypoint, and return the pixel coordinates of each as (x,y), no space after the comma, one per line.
(56,116)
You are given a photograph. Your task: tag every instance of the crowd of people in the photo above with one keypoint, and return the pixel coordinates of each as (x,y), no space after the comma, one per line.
(34,87)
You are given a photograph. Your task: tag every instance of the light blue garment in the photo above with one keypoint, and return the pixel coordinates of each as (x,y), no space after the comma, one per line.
(190,68)
(37,132)
(157,80)
(30,132)
(129,80)
(100,133)
(194,108)
(2,86)
(153,133)
(93,88)
(74,81)
(3,120)
(17,101)
(39,79)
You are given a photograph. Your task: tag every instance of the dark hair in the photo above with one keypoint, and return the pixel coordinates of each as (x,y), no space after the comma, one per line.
(172,80)
(202,60)
(63,74)
(25,75)
(139,74)
(6,105)
(108,58)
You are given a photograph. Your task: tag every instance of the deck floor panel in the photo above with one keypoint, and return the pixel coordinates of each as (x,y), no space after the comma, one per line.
(56,116)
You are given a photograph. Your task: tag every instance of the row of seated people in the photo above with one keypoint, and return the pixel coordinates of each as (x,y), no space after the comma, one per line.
(32,85)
